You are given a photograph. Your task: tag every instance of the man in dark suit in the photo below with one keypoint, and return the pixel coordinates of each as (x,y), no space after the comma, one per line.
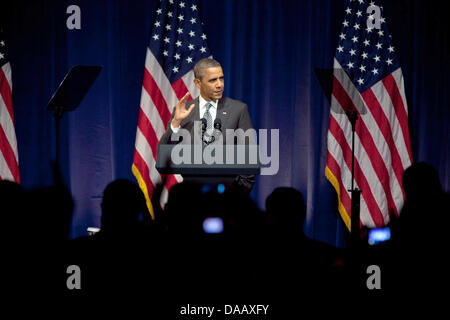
(210,105)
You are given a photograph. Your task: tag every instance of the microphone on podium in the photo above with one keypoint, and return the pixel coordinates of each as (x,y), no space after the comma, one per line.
(218,124)
(204,124)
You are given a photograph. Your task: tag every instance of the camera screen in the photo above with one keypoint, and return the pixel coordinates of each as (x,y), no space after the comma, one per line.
(379,235)
(213,225)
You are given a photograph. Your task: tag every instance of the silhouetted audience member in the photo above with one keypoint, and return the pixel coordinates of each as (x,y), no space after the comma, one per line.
(124,210)
(184,209)
(49,214)
(214,261)
(286,212)
(424,218)
(190,203)
(116,258)
(13,220)
(420,235)
(303,261)
(242,216)
(35,226)
(14,236)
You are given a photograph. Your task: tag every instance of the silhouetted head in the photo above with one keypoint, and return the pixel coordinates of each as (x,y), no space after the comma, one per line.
(424,216)
(12,206)
(50,212)
(11,196)
(242,215)
(421,180)
(123,203)
(184,208)
(286,209)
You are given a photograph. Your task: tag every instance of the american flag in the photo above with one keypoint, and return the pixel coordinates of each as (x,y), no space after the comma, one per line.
(9,159)
(176,43)
(382,143)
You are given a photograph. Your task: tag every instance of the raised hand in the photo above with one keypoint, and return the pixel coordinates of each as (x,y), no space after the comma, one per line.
(181,112)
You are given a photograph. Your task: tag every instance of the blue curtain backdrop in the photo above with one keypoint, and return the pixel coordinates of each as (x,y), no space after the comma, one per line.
(268,49)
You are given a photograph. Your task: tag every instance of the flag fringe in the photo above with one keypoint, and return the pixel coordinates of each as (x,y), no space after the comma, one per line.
(334,182)
(144,189)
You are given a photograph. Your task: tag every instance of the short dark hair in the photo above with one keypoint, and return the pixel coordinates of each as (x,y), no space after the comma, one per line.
(199,68)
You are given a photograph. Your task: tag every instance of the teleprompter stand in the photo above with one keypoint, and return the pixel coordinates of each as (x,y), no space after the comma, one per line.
(70,93)
(326,78)
(355,261)
(356,193)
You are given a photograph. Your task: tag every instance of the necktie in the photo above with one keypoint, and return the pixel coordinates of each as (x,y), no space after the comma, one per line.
(208,117)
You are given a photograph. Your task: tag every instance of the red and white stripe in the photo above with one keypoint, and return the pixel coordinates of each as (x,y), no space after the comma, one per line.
(158,99)
(382,146)
(9,159)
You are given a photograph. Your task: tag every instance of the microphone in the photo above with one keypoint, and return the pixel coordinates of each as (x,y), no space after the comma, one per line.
(204,124)
(217,129)
(218,124)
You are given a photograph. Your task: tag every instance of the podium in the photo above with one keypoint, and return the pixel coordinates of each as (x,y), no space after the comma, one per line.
(208,164)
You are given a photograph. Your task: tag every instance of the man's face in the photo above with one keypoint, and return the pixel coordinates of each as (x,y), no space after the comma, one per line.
(211,84)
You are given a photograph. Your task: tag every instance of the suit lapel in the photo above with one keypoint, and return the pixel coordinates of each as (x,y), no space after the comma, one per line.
(222,112)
